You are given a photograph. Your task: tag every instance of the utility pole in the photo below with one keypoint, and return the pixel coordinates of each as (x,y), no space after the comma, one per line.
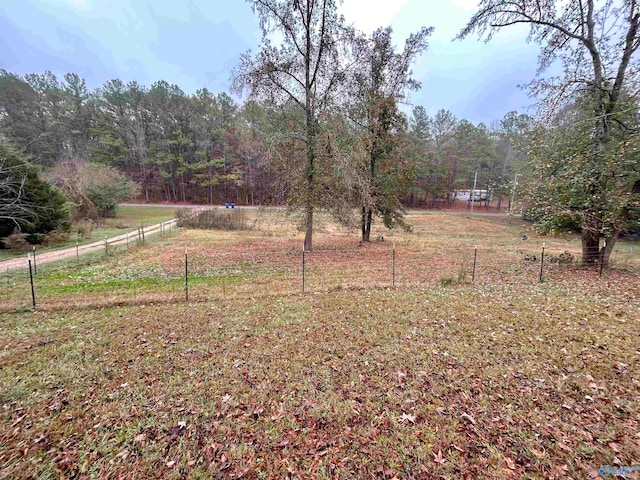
(473,191)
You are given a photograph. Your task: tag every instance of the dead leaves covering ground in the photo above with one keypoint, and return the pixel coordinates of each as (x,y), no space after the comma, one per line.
(502,379)
(445,383)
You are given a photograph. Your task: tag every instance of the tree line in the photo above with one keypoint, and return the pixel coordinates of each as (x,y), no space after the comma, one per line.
(209,148)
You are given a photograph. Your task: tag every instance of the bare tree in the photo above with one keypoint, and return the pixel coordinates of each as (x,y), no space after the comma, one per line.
(304,69)
(596,43)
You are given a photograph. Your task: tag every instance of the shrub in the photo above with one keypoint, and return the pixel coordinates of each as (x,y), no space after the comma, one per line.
(108,187)
(213,219)
(462,274)
(447,280)
(83,229)
(564,258)
(17,241)
(94,190)
(44,205)
(55,237)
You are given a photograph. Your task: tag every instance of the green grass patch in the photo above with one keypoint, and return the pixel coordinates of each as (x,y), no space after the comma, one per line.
(128,218)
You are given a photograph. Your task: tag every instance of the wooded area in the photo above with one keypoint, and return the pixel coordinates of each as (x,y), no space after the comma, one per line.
(208,148)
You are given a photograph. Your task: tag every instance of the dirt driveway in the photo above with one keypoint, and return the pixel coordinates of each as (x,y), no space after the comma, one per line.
(55,255)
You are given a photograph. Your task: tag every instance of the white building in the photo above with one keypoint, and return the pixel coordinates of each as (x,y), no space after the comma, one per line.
(478,195)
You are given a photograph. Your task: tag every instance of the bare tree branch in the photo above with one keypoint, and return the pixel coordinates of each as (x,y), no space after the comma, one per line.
(14,206)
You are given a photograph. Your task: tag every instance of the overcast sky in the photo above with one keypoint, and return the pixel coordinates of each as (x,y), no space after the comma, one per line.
(196,44)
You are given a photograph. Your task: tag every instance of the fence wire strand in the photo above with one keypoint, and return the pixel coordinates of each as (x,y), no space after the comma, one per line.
(215,273)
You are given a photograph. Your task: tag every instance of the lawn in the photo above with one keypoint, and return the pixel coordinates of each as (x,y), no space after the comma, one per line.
(117,376)
(128,218)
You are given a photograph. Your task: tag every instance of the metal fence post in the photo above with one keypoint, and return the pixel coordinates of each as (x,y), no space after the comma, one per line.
(33,291)
(303,265)
(541,263)
(604,248)
(186,274)
(393,263)
(475,260)
(35,266)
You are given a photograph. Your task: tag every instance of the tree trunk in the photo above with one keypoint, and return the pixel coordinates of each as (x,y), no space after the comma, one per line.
(367,219)
(608,249)
(308,236)
(311,137)
(590,240)
(311,156)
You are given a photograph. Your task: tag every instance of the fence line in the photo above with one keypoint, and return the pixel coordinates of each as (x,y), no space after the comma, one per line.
(207,276)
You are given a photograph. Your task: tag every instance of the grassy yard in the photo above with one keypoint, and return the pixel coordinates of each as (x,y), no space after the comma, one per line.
(116,376)
(128,218)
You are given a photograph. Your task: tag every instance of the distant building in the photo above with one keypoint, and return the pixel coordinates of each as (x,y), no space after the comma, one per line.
(478,195)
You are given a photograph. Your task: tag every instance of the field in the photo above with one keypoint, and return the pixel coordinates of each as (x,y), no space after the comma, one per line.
(115,375)
(128,218)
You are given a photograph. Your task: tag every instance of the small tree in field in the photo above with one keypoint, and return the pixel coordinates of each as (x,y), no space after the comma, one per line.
(596,42)
(379,82)
(564,171)
(108,187)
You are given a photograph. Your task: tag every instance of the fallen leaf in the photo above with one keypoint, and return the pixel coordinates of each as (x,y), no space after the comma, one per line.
(18,421)
(438,458)
(405,417)
(537,453)
(469,417)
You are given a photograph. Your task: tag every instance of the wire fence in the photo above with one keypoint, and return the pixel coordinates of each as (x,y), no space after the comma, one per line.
(169,273)
(137,237)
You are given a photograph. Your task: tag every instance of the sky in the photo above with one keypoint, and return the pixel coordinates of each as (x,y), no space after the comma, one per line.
(196,44)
